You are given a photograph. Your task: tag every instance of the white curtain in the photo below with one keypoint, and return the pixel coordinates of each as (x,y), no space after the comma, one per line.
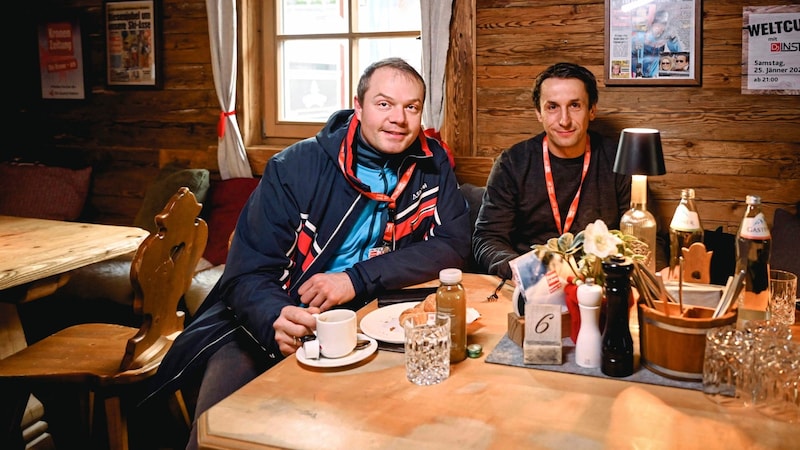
(435,42)
(222,30)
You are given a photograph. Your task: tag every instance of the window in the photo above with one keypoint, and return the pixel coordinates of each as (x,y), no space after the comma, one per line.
(315,50)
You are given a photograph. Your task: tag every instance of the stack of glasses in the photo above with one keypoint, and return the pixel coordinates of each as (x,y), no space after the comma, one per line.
(756,366)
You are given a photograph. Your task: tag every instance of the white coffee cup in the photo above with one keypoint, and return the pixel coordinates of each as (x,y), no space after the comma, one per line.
(336,332)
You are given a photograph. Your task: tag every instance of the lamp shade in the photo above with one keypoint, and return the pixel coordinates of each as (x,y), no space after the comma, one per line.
(639,152)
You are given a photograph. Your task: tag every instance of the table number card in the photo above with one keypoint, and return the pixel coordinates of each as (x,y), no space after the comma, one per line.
(542,344)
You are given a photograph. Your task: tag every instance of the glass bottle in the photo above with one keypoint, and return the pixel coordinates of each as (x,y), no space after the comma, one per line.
(753,242)
(617,349)
(451,300)
(639,222)
(685,228)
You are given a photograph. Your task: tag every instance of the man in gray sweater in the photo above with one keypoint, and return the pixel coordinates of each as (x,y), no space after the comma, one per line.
(558,181)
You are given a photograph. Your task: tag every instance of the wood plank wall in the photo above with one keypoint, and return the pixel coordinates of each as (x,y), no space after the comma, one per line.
(122,133)
(720,142)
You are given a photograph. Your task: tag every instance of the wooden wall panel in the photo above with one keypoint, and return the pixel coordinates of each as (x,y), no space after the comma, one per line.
(121,131)
(723,143)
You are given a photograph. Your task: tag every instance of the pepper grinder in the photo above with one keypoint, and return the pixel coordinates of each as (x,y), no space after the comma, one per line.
(588,348)
(617,345)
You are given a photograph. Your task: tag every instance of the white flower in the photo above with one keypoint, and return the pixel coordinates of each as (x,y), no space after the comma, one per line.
(583,253)
(599,241)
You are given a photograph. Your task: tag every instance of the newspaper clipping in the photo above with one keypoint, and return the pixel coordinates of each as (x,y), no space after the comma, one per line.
(651,40)
(130,28)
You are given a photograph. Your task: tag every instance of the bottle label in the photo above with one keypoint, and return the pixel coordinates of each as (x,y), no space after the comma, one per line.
(685,220)
(755,227)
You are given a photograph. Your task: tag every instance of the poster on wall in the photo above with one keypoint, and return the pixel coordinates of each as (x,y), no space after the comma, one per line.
(132,50)
(61,58)
(771,50)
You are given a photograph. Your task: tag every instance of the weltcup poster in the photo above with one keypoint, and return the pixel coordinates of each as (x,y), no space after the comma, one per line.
(771,50)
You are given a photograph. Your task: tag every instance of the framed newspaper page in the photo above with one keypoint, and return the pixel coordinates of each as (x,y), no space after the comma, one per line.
(133,52)
(653,42)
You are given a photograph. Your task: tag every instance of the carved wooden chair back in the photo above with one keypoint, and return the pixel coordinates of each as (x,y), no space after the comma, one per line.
(109,360)
(161,272)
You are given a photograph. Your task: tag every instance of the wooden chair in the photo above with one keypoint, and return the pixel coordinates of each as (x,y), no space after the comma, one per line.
(104,364)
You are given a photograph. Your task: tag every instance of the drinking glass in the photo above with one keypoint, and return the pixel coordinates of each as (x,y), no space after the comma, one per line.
(766,337)
(727,356)
(780,381)
(783,291)
(427,350)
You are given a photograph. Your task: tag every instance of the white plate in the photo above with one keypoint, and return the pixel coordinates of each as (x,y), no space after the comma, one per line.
(383,324)
(352,358)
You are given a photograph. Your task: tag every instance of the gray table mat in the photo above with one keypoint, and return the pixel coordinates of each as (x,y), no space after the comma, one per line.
(507,352)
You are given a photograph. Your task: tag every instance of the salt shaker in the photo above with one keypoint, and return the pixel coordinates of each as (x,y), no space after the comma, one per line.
(588,348)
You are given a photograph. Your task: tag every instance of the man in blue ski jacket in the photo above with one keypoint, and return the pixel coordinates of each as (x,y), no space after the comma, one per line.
(368,204)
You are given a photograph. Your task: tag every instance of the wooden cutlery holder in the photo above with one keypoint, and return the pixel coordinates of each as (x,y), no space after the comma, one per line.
(674,345)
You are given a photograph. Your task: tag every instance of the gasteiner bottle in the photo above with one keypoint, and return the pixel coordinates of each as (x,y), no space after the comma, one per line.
(451,300)
(753,242)
(685,228)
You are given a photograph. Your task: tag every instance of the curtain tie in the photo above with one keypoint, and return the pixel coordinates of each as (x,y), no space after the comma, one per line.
(221,123)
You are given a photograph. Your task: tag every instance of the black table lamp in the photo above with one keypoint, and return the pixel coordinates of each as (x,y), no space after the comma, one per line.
(639,154)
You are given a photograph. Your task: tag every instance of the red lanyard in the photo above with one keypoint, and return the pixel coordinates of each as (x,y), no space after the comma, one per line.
(402,182)
(551,188)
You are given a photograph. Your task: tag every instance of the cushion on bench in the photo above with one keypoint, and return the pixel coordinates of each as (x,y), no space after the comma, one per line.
(169,180)
(225,201)
(110,279)
(43,192)
(474,196)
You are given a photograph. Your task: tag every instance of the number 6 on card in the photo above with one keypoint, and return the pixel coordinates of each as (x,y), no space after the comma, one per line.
(542,344)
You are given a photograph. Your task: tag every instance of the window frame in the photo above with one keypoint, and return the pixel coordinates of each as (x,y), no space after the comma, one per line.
(258,44)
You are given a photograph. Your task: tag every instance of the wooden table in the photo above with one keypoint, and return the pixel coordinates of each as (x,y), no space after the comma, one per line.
(36,254)
(480,406)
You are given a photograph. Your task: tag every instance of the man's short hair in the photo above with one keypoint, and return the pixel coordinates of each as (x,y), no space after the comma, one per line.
(566,70)
(394,63)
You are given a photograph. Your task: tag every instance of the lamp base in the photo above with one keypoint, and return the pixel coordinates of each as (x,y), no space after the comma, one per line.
(639,222)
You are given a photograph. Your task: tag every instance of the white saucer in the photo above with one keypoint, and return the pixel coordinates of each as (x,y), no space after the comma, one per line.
(352,358)
(383,324)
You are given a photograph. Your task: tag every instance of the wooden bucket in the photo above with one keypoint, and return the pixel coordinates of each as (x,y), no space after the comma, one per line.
(674,346)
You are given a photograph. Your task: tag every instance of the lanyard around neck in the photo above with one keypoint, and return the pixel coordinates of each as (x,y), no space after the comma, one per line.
(346,166)
(551,187)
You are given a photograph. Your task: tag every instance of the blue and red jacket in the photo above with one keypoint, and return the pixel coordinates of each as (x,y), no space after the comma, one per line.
(302,210)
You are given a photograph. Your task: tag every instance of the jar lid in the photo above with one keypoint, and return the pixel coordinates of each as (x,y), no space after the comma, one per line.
(450,276)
